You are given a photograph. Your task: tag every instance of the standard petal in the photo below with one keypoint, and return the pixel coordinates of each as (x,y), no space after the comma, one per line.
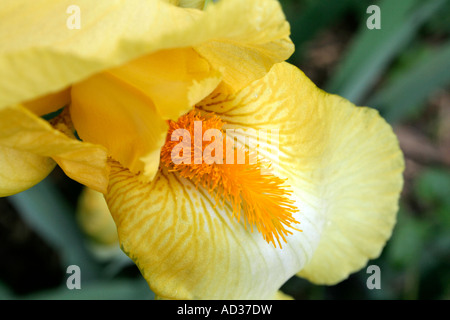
(188,248)
(243,52)
(107,111)
(125,109)
(21,170)
(25,132)
(343,160)
(49,103)
(241,64)
(174,80)
(46,54)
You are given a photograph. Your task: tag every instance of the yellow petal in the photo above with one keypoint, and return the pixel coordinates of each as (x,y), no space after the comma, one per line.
(244,52)
(240,64)
(49,103)
(125,109)
(175,80)
(188,248)
(21,170)
(344,161)
(23,131)
(282,296)
(107,111)
(366,167)
(44,55)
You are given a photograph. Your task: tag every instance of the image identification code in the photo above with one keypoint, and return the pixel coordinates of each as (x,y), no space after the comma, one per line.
(226,309)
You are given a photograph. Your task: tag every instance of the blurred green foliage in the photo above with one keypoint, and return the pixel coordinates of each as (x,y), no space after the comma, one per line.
(398,70)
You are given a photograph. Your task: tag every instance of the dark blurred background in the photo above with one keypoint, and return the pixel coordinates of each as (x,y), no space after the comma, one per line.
(402,69)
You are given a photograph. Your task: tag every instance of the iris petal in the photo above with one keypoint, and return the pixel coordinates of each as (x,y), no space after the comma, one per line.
(109,112)
(39,54)
(343,160)
(23,131)
(188,248)
(175,80)
(49,103)
(21,170)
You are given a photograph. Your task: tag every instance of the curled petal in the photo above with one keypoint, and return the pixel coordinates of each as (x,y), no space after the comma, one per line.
(49,103)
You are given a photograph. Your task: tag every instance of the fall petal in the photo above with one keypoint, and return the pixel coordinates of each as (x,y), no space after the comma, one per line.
(342,160)
(188,248)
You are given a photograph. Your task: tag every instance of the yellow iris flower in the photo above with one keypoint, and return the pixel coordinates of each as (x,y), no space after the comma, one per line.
(134,71)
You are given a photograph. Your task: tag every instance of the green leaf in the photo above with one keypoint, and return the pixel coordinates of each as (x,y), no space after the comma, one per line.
(440,24)
(315,15)
(404,95)
(432,189)
(433,186)
(373,50)
(408,241)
